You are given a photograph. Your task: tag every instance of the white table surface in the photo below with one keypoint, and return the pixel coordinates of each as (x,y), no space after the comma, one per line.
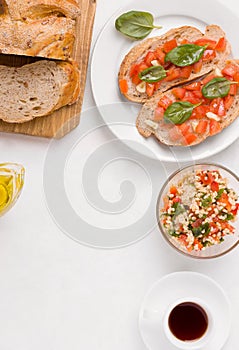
(58,294)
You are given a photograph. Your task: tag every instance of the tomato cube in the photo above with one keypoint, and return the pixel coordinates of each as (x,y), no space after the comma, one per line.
(169,45)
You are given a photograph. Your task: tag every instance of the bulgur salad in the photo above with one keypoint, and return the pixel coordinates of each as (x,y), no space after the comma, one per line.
(200,210)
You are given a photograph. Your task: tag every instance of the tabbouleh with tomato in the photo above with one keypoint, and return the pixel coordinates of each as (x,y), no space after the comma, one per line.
(199,211)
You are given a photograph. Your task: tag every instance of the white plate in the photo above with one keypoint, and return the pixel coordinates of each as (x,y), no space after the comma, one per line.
(111,48)
(181,285)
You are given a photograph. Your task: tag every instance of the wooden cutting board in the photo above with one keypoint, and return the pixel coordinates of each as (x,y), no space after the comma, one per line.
(67,118)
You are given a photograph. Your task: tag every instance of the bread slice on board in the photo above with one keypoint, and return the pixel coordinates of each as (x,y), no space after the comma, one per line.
(148,126)
(51,37)
(189,33)
(32,9)
(37,89)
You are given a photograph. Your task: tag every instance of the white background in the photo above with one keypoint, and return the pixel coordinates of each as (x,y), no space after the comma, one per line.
(58,294)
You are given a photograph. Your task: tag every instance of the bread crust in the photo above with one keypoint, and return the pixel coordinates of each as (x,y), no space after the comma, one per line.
(213,32)
(161,134)
(51,37)
(33,9)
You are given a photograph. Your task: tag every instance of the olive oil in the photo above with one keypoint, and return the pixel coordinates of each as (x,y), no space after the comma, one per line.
(11,182)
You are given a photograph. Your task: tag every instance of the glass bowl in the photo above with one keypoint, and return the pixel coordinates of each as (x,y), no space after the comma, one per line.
(11,183)
(228,241)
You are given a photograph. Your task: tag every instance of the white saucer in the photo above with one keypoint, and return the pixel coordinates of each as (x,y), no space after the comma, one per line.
(179,285)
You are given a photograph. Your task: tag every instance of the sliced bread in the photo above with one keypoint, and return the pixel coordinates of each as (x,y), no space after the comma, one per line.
(37,89)
(181,34)
(203,122)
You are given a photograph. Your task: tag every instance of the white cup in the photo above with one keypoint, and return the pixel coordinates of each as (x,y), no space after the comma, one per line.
(189,344)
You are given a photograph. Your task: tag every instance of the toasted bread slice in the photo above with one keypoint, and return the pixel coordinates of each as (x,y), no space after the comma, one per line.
(191,34)
(36,89)
(150,122)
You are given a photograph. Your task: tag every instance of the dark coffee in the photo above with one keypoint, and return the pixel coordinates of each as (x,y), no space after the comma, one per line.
(188,321)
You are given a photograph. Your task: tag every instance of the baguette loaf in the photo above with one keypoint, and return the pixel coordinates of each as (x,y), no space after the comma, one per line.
(181,34)
(150,122)
(37,89)
(33,9)
(51,37)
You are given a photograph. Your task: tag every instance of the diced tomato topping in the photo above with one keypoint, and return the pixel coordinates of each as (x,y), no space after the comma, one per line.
(215,186)
(183,128)
(207,178)
(173,190)
(217,106)
(207,79)
(234,211)
(236,77)
(160,55)
(149,89)
(123,86)
(199,112)
(194,86)
(190,138)
(190,97)
(142,66)
(133,70)
(149,58)
(221,44)
(135,79)
(233,89)
(208,55)
(202,127)
(228,226)
(157,85)
(185,41)
(197,94)
(197,66)
(215,127)
(172,74)
(221,108)
(185,72)
(169,45)
(165,102)
(179,92)
(158,114)
(211,44)
(228,101)
(224,199)
(230,70)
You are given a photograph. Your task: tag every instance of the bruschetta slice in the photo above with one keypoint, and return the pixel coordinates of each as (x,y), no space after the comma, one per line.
(187,114)
(180,55)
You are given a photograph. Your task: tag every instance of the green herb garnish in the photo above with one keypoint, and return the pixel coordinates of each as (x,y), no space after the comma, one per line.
(206,202)
(185,55)
(217,87)
(197,231)
(135,24)
(153,74)
(179,112)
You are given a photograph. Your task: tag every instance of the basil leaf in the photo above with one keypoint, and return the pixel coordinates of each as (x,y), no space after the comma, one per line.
(179,112)
(135,24)
(185,55)
(217,87)
(153,74)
